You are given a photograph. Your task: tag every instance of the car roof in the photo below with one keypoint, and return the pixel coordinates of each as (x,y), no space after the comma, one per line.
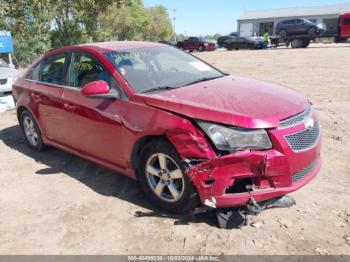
(103,47)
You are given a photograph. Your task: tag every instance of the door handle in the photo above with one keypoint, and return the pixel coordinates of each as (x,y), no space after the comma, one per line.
(70,107)
(35,97)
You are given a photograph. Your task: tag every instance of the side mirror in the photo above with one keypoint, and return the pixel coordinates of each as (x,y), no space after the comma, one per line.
(96,89)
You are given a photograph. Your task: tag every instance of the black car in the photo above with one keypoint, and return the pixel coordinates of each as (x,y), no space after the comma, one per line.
(222,39)
(299,26)
(243,43)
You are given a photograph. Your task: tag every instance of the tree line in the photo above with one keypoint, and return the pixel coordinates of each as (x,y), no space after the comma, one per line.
(40,25)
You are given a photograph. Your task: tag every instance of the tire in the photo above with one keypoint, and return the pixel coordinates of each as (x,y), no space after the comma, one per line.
(201,49)
(229,48)
(296,43)
(174,193)
(31,131)
(283,35)
(306,44)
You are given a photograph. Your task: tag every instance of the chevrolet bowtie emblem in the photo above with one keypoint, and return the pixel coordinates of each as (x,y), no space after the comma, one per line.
(309,123)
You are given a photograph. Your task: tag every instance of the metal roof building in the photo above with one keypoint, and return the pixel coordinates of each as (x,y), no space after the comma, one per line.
(251,22)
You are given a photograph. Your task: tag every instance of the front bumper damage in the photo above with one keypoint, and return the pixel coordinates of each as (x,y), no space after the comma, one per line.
(233,180)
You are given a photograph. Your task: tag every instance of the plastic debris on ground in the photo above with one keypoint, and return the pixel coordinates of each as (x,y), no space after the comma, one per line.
(6,103)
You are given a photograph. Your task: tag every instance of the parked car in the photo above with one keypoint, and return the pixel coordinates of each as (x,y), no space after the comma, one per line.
(220,41)
(8,75)
(190,134)
(243,43)
(299,26)
(196,44)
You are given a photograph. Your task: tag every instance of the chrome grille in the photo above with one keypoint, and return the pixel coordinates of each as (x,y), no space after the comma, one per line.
(302,173)
(305,139)
(296,120)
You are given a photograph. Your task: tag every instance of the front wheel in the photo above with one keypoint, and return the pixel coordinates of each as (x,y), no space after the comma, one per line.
(297,43)
(163,179)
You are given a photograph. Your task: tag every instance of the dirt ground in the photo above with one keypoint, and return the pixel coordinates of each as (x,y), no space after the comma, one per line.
(57,203)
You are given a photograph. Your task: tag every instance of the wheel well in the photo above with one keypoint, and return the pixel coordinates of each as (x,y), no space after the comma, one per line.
(20,111)
(135,155)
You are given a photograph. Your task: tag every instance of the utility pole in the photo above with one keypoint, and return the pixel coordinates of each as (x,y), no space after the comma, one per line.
(174,19)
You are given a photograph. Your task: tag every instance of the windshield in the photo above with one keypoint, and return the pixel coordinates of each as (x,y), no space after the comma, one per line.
(3,63)
(160,68)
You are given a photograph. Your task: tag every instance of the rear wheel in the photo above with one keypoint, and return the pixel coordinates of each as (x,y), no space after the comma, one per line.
(200,49)
(306,44)
(31,131)
(297,43)
(283,35)
(163,179)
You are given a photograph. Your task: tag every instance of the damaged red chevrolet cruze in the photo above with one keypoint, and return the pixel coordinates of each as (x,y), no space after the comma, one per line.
(190,134)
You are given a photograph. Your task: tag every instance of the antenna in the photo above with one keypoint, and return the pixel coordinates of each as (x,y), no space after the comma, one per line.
(174,19)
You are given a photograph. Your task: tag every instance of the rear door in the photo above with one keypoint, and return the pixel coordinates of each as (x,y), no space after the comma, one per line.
(45,83)
(289,26)
(301,26)
(93,125)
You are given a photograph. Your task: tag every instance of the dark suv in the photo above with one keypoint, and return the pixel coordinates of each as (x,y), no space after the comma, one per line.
(299,26)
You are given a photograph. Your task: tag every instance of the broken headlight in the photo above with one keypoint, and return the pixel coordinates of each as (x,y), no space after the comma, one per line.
(236,139)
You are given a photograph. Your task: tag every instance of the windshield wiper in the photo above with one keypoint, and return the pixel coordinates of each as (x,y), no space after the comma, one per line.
(159,88)
(203,80)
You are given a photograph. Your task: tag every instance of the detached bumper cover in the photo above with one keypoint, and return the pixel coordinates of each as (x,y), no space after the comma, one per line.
(267,174)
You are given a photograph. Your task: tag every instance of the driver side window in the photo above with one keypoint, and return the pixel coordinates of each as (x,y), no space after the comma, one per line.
(85,69)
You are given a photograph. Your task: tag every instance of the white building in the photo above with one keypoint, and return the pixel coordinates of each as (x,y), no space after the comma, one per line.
(251,22)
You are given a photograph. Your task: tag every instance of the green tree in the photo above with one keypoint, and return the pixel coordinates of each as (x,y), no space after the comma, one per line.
(38,25)
(29,22)
(161,27)
(129,22)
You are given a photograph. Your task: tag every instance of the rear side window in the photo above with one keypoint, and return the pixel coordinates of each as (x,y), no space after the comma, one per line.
(289,22)
(53,69)
(34,74)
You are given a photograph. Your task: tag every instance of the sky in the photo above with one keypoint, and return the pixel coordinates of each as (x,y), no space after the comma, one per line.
(207,17)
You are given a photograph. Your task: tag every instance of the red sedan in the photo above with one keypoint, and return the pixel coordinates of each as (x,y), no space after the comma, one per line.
(190,134)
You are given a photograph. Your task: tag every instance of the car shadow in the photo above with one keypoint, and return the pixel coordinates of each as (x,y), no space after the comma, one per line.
(101,180)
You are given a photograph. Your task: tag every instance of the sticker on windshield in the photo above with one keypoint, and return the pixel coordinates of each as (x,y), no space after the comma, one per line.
(200,66)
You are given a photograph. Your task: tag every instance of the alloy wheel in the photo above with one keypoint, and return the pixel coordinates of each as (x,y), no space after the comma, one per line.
(165,177)
(30,131)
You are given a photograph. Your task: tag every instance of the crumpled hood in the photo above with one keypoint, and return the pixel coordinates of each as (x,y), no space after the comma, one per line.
(232,100)
(9,72)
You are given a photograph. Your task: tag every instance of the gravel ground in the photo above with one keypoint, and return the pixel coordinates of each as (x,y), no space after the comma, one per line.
(57,203)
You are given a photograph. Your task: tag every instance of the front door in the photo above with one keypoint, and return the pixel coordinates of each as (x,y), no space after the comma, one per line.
(93,125)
